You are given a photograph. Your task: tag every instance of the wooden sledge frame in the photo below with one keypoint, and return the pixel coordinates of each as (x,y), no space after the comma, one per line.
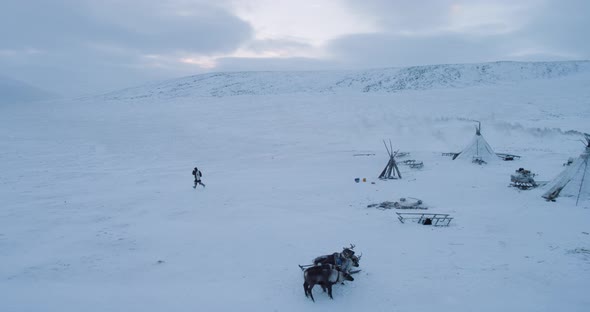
(437,219)
(507,157)
(412,163)
(504,156)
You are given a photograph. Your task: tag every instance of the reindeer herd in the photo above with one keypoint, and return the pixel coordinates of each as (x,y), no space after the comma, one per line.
(330,269)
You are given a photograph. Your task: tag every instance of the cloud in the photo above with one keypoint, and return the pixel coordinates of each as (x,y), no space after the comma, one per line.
(400,16)
(432,32)
(80,46)
(292,47)
(428,17)
(383,50)
(275,64)
(149,26)
(458,31)
(558,28)
(104,43)
(312,21)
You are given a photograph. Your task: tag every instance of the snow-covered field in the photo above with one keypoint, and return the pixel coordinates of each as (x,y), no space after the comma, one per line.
(98,213)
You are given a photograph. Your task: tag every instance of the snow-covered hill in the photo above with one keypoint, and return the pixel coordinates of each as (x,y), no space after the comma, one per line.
(14,91)
(372,81)
(98,213)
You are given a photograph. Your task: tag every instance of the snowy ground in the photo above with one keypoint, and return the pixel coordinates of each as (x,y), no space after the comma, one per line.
(98,212)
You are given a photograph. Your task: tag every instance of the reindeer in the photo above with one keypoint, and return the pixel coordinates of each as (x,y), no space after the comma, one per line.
(325,275)
(345,260)
(356,260)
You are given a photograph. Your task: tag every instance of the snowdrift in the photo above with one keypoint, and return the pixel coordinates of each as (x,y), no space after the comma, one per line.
(99,211)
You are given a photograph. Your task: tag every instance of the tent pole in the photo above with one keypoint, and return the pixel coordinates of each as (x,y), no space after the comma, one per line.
(388,153)
(582,183)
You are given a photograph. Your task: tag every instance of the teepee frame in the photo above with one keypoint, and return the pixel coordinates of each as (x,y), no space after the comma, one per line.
(390,170)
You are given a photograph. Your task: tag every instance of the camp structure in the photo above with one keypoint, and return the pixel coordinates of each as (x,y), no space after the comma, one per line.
(391,168)
(478,150)
(574,181)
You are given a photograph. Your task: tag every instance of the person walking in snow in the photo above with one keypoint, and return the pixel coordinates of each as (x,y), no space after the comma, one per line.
(198,174)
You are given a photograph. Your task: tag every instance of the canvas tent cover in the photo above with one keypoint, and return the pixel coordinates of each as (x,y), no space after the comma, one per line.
(478,147)
(574,181)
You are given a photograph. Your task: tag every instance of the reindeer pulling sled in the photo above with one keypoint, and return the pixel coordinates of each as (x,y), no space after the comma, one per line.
(328,270)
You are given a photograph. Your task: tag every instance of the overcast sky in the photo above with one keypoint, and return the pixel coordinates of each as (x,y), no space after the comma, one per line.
(74,47)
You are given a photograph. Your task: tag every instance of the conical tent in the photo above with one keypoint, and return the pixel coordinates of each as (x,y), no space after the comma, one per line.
(477,149)
(574,181)
(390,170)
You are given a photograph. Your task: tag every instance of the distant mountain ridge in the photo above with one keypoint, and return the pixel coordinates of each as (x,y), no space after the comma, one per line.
(14,91)
(373,81)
